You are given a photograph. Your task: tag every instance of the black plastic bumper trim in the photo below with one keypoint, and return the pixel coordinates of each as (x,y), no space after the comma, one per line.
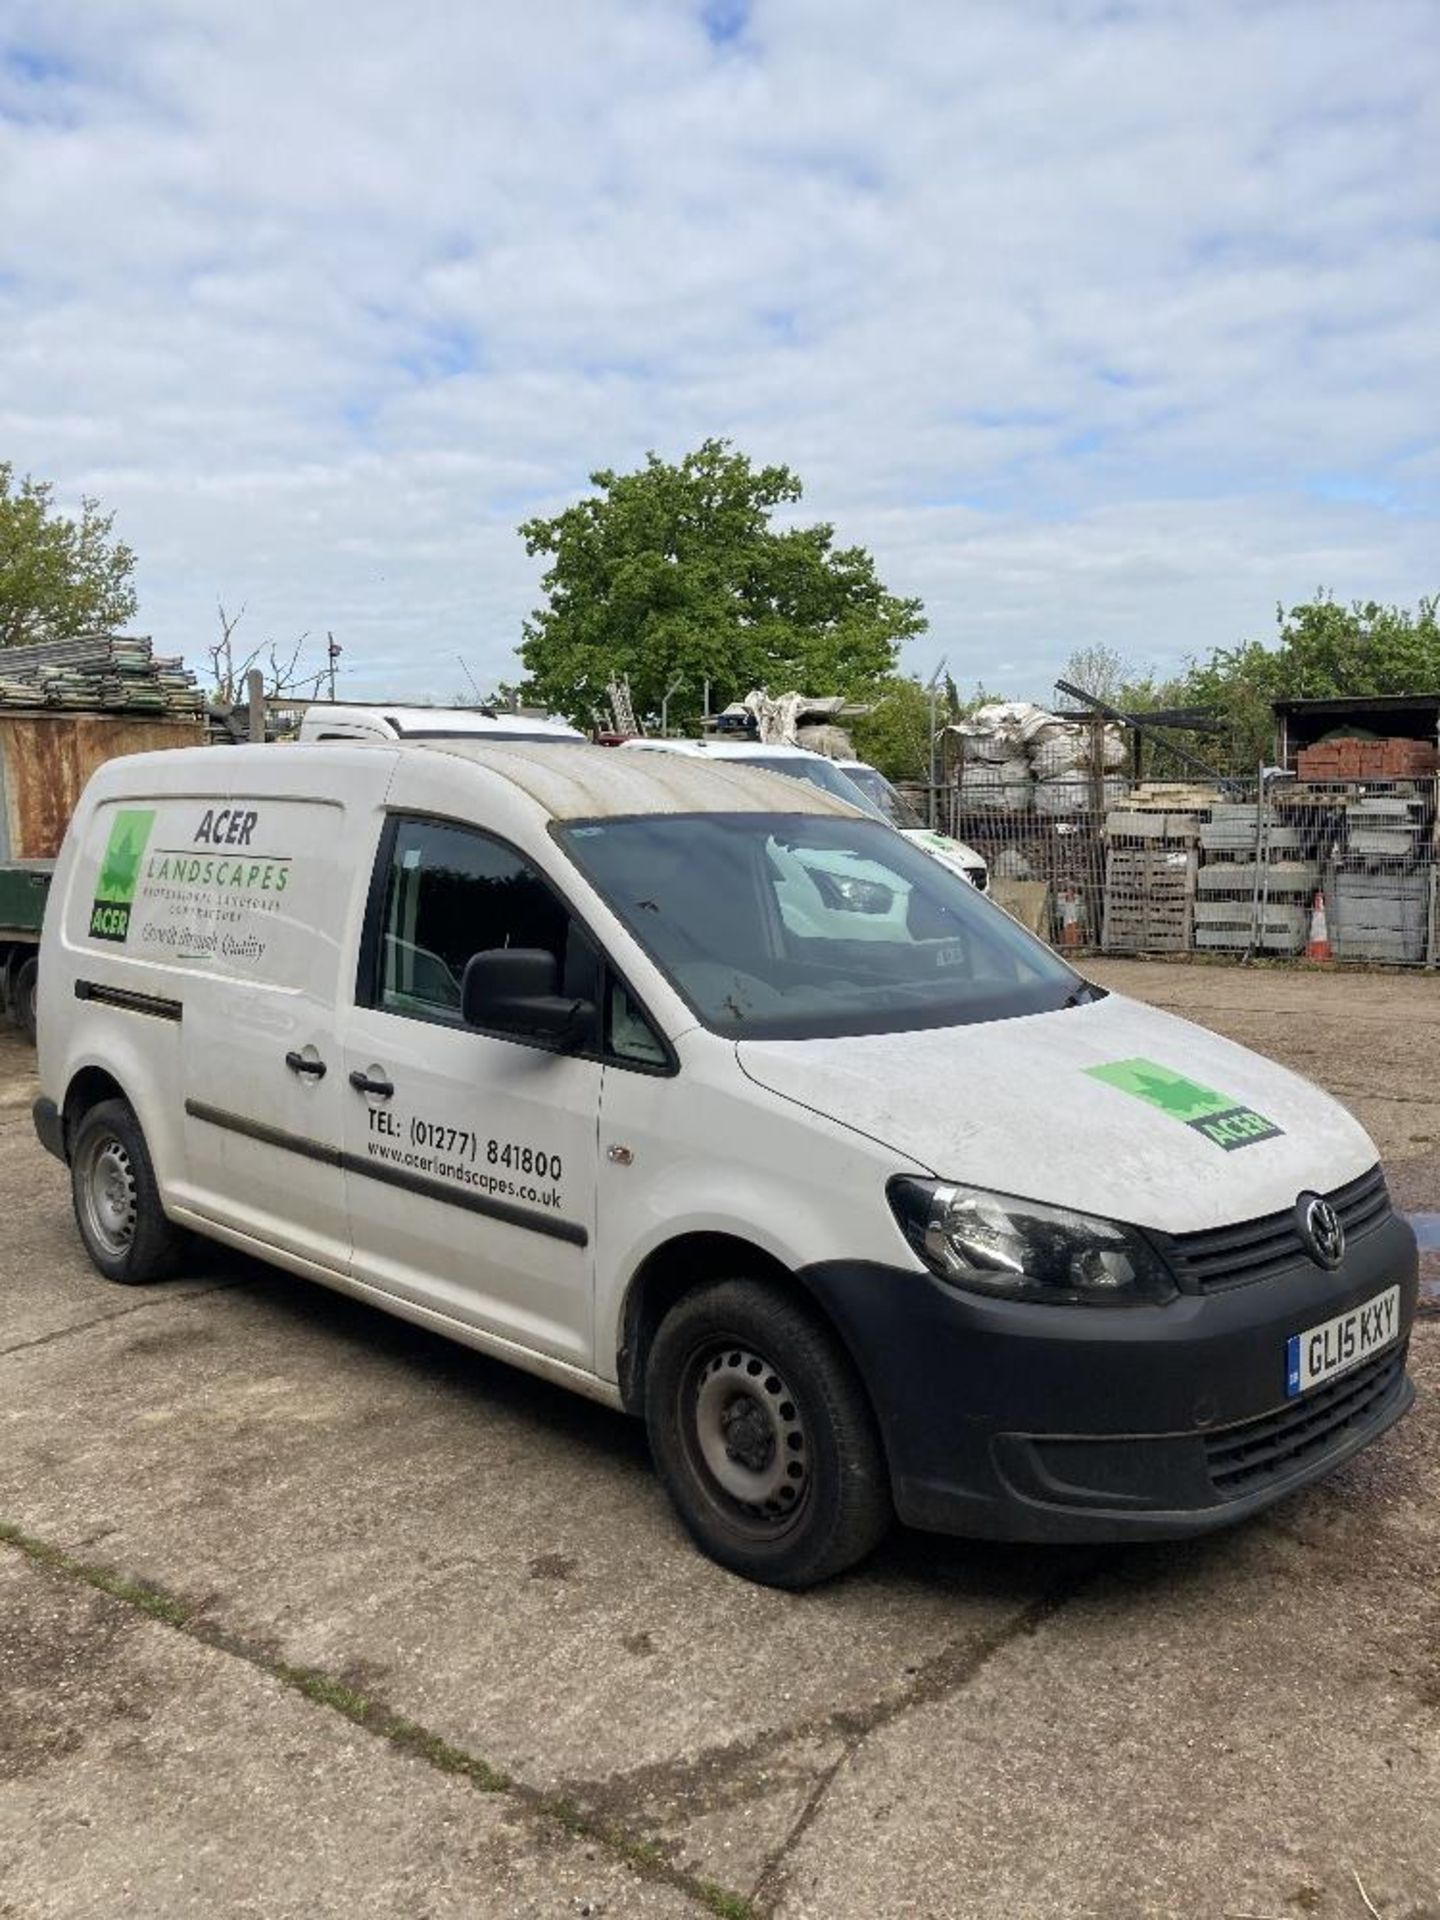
(131,1002)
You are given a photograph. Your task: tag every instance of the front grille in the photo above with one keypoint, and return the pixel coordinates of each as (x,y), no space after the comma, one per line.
(1255,1249)
(1244,1457)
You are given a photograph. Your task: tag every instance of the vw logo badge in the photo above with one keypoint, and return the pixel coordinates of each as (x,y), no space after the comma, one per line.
(1322,1230)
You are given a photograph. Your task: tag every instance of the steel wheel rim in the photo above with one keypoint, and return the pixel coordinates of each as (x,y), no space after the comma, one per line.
(746,1436)
(108,1196)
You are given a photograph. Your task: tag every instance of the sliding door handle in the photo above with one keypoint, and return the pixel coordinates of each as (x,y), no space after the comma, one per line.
(362,1083)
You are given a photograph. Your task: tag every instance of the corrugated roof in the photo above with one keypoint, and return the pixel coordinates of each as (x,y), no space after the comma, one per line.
(581,783)
(1349,703)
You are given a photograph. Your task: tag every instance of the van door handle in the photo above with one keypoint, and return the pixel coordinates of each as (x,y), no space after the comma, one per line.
(362,1083)
(301,1063)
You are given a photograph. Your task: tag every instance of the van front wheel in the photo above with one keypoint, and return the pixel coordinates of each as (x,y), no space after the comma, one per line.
(763,1437)
(117,1202)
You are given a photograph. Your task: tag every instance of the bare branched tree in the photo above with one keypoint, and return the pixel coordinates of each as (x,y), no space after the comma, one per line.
(283,674)
(1100,670)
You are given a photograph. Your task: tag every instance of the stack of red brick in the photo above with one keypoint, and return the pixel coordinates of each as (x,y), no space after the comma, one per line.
(1368,760)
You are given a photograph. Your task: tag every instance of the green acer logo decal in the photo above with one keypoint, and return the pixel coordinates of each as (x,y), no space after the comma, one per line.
(119,873)
(1222,1120)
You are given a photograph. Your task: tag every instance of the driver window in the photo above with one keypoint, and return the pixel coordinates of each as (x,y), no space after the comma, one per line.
(451,893)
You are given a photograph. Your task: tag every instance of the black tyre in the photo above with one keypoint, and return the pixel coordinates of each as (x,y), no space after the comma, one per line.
(763,1436)
(117,1203)
(22,1009)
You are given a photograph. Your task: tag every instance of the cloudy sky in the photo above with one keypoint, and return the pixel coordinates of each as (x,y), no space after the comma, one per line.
(1096,322)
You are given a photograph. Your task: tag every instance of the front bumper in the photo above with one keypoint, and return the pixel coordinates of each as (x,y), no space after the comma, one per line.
(1020,1422)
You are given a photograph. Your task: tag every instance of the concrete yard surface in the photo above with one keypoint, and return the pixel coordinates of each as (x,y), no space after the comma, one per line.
(304,1611)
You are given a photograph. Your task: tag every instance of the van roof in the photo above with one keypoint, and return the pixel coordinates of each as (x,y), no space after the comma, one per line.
(419,722)
(583,782)
(586,782)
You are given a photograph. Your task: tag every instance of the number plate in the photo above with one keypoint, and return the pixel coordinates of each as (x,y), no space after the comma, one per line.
(1332,1348)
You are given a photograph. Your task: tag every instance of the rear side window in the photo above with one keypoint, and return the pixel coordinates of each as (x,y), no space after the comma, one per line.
(451,893)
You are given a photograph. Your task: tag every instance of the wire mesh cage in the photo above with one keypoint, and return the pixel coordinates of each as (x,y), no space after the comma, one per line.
(1092,861)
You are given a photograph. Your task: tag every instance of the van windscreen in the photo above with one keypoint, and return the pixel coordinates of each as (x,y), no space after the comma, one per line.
(818,772)
(891,802)
(796,926)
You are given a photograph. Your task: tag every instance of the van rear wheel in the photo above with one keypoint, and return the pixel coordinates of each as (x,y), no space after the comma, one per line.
(117,1201)
(763,1437)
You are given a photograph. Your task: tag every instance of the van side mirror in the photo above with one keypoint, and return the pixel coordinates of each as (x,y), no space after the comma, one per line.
(513,990)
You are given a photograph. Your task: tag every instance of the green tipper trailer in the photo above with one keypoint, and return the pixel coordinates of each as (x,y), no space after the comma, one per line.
(23,887)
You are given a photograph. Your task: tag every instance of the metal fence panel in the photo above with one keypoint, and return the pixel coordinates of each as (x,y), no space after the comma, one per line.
(1098,863)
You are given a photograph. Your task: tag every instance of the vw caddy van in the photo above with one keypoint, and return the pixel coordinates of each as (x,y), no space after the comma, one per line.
(692,1088)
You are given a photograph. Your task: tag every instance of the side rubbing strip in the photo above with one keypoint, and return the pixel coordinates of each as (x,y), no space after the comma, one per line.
(567,1230)
(268,1136)
(150,1003)
(471,1202)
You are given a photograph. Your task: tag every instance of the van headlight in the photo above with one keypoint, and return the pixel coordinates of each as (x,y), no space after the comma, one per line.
(1022,1250)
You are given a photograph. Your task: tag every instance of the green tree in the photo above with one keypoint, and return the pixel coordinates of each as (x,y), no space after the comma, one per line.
(895,735)
(675,573)
(1325,651)
(58,576)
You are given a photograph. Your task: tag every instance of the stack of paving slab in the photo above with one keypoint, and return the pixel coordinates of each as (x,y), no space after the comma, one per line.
(1379,890)
(1255,887)
(98,673)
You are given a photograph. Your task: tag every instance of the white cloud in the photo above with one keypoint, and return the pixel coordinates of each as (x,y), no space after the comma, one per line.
(1095,321)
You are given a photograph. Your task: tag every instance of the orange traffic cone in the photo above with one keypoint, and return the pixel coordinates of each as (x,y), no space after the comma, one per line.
(1318,946)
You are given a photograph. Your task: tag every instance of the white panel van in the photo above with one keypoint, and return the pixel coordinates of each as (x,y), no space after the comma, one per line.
(850,780)
(333,720)
(698,1091)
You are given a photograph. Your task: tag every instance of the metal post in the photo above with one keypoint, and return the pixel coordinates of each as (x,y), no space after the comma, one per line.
(933,689)
(1260,853)
(934,782)
(1097,766)
(255,689)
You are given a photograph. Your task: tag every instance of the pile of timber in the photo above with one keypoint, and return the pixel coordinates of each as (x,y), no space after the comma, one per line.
(99,673)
